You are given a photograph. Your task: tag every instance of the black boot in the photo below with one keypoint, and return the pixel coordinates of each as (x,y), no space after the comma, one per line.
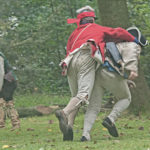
(110,127)
(83,139)
(69,135)
(63,125)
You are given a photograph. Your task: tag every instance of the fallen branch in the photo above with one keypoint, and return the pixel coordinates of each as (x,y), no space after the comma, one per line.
(36,111)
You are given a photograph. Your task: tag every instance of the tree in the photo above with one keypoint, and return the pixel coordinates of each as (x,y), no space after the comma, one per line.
(115,14)
(33,36)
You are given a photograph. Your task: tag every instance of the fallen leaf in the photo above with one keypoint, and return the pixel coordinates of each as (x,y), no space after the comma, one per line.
(30,129)
(107,136)
(49,130)
(116,141)
(104,129)
(121,134)
(34,134)
(141,128)
(5,146)
(51,121)
(48,141)
(13,146)
(126,126)
(17,133)
(86,147)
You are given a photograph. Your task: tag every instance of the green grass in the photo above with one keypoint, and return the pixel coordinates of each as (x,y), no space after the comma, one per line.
(29,100)
(42,133)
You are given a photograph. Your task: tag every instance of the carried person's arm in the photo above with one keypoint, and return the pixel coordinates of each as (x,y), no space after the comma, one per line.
(130,52)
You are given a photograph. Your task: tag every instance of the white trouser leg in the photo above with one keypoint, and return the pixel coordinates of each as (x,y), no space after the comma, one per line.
(118,86)
(73,105)
(81,76)
(118,108)
(71,118)
(93,107)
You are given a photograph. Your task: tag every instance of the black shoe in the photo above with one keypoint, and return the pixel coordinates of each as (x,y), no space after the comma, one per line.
(83,139)
(69,135)
(63,125)
(110,127)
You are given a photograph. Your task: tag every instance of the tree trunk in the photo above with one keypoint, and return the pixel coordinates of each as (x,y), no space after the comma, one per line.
(115,14)
(140,95)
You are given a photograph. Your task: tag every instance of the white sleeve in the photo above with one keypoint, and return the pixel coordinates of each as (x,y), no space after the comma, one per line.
(2,72)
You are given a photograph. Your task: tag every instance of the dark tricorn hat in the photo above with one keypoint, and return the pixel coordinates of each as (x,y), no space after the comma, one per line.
(136,33)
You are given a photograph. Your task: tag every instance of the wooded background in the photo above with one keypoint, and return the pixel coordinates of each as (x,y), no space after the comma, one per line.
(34,33)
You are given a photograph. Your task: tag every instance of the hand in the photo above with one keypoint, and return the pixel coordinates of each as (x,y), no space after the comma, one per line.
(64,69)
(133,75)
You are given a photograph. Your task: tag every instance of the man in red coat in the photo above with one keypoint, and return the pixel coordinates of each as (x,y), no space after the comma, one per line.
(85,50)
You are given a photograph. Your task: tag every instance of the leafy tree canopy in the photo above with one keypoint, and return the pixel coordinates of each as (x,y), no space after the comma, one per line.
(34,33)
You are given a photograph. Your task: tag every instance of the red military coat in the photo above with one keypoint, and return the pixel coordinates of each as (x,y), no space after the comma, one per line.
(99,34)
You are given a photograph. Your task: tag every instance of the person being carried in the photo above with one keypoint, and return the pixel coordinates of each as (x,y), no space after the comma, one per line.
(116,75)
(85,52)
(6,95)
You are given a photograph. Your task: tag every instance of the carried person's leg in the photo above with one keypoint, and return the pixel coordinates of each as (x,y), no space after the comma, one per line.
(119,88)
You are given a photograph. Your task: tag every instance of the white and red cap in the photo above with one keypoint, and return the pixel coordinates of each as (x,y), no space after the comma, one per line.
(83,12)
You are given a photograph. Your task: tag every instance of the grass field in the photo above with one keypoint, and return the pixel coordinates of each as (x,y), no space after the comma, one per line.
(29,100)
(42,133)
